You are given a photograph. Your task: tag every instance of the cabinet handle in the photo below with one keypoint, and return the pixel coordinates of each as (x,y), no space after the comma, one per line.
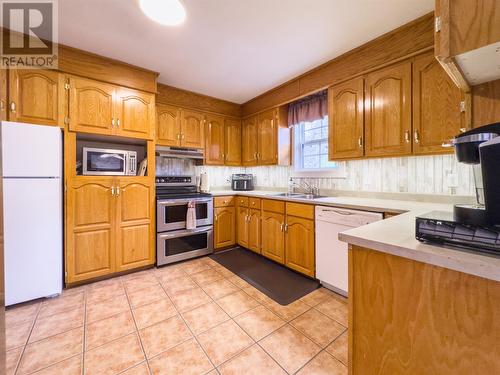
(416,137)
(286,227)
(13,107)
(118,123)
(178,136)
(407,136)
(112,122)
(117,191)
(360,142)
(215,217)
(182,135)
(246,218)
(113,191)
(2,105)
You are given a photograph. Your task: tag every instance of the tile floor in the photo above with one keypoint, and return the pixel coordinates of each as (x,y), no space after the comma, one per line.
(194,317)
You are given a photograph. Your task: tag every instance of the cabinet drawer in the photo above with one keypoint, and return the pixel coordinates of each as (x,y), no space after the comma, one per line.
(273,206)
(242,201)
(300,210)
(254,203)
(223,201)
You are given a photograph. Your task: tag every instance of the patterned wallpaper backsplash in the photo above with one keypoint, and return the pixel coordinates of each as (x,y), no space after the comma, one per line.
(416,174)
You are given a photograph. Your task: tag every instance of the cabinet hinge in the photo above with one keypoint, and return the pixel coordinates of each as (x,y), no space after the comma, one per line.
(437,24)
(66,86)
(66,120)
(462,106)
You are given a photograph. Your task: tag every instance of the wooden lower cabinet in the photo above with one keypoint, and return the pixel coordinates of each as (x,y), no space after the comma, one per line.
(242,226)
(108,226)
(273,236)
(254,230)
(135,230)
(224,227)
(90,229)
(299,245)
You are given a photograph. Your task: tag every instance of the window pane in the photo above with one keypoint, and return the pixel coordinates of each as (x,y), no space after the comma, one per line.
(324,163)
(312,125)
(324,133)
(324,147)
(311,149)
(311,162)
(312,135)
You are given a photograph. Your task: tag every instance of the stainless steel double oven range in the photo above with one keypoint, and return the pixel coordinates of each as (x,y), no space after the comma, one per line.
(174,241)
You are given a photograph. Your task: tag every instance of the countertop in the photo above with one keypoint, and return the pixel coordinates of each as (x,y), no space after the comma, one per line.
(396,235)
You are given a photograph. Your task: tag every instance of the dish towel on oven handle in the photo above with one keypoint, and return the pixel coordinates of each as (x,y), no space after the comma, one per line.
(191,216)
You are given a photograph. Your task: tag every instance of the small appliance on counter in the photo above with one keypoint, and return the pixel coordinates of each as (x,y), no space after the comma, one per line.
(242,182)
(204,184)
(475,226)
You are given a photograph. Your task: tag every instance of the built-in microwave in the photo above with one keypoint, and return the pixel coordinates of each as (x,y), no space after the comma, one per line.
(103,161)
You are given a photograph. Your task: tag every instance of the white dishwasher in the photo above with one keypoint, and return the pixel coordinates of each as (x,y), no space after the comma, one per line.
(331,253)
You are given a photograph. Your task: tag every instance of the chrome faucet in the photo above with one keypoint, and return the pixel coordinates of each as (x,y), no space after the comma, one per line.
(308,188)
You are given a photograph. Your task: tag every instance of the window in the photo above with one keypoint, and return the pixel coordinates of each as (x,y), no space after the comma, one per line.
(311,146)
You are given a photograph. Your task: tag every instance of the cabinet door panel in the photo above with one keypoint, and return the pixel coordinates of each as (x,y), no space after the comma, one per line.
(249,140)
(273,237)
(214,140)
(192,129)
(388,111)
(135,114)
(233,142)
(299,254)
(242,226)
(135,245)
(168,125)
(267,134)
(37,97)
(346,120)
(224,227)
(90,230)
(91,106)
(254,230)
(436,107)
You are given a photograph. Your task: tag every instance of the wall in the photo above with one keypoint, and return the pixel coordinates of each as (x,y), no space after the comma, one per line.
(419,175)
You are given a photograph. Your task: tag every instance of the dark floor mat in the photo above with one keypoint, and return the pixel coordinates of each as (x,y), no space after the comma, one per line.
(277,282)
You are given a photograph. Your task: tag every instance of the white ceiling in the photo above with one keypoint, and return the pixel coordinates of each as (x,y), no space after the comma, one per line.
(232,49)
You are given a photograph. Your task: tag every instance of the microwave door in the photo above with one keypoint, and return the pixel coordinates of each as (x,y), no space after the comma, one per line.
(105,163)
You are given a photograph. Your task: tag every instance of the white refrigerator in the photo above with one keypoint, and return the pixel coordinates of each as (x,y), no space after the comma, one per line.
(32,197)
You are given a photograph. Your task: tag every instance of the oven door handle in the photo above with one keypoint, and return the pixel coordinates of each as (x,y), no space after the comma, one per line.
(179,202)
(185,233)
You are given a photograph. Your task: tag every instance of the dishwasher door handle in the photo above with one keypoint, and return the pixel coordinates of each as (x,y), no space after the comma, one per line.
(346,213)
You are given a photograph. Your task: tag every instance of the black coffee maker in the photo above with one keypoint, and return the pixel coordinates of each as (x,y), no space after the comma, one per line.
(480,148)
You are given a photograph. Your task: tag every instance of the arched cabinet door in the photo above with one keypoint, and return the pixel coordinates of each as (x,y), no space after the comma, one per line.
(242,226)
(267,137)
(249,141)
(36,97)
(90,229)
(135,114)
(224,227)
(214,140)
(192,129)
(254,230)
(168,125)
(299,239)
(273,236)
(388,128)
(91,106)
(346,120)
(135,231)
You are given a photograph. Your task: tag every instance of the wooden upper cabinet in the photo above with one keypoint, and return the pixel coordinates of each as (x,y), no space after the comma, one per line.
(224,227)
(346,120)
(299,240)
(135,230)
(437,117)
(37,97)
(267,152)
(249,141)
(3,94)
(388,111)
(90,229)
(192,129)
(91,106)
(135,114)
(232,138)
(168,125)
(214,140)
(273,236)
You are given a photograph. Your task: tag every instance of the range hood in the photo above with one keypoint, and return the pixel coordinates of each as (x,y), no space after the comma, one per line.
(178,152)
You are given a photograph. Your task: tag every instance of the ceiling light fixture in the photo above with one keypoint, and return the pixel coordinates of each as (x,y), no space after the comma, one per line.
(165,12)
